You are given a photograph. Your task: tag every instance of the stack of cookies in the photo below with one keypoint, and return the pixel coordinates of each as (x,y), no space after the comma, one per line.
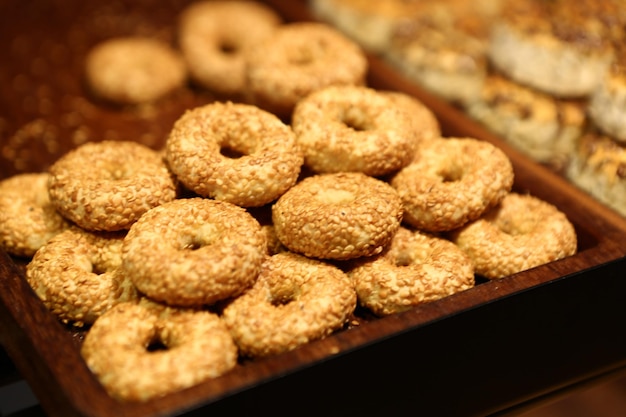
(548,77)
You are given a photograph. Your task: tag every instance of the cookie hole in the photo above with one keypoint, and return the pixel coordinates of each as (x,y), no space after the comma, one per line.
(203,235)
(194,246)
(98,269)
(451,174)
(403,260)
(356,119)
(284,294)
(231,153)
(156,345)
(228,48)
(281,301)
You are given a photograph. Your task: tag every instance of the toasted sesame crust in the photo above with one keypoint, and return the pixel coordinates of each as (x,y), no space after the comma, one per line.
(76,274)
(269,164)
(192,252)
(27,218)
(299,58)
(294,301)
(452,181)
(134,70)
(107,186)
(417,268)
(214,37)
(197,346)
(337,216)
(520,233)
(356,129)
(424,120)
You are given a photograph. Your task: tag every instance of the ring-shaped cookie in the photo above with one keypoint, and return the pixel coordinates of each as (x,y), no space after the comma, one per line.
(452,181)
(76,275)
(520,233)
(297,59)
(214,37)
(295,300)
(27,218)
(355,129)
(194,252)
(134,70)
(234,152)
(417,268)
(107,186)
(142,351)
(338,216)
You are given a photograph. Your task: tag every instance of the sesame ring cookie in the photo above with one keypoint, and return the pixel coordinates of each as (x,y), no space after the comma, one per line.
(558,47)
(108,185)
(134,70)
(193,252)
(337,216)
(295,300)
(214,37)
(299,58)
(234,152)
(520,233)
(355,129)
(76,274)
(143,351)
(417,268)
(452,181)
(27,218)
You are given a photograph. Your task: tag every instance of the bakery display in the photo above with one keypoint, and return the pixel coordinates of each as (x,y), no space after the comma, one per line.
(274,314)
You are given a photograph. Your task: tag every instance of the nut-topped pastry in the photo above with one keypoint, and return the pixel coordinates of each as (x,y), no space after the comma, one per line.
(370,23)
(598,166)
(607,107)
(442,47)
(537,124)
(559,47)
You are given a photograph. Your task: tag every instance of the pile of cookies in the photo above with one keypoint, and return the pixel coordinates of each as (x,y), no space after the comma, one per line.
(548,77)
(264,222)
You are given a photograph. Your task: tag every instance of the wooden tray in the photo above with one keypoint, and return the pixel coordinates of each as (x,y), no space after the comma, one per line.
(482,351)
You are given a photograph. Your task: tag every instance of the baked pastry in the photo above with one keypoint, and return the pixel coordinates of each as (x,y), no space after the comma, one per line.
(559,47)
(607,107)
(598,166)
(370,23)
(543,127)
(442,47)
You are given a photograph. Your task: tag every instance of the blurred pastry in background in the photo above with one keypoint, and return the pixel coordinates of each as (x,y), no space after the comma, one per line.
(369,23)
(214,36)
(541,126)
(607,107)
(443,48)
(598,166)
(560,47)
(134,70)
